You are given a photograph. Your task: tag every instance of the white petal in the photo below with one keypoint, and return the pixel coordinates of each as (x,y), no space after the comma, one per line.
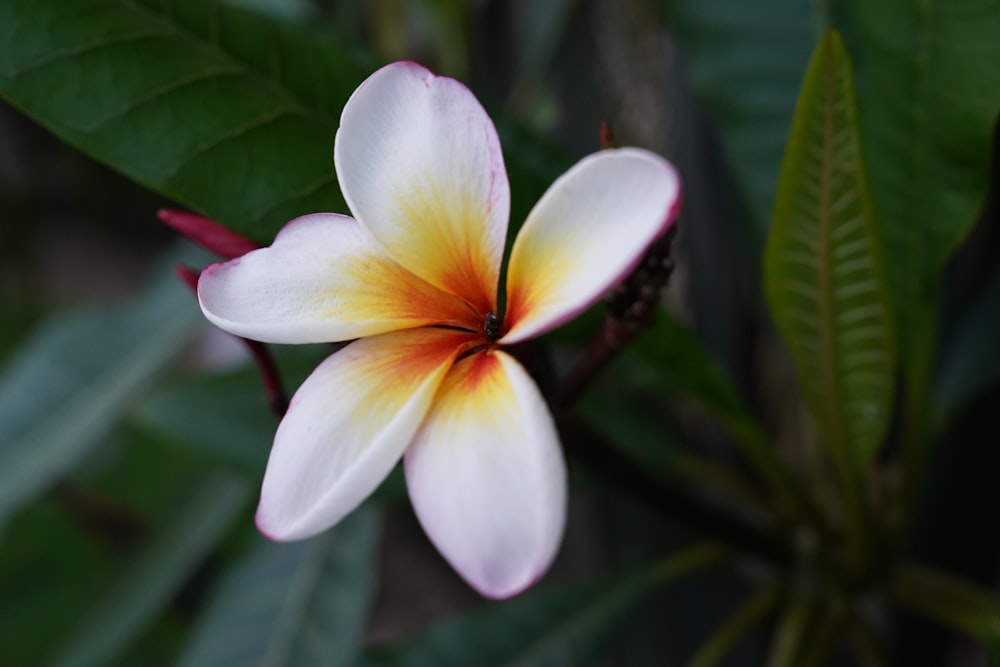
(486,475)
(348,425)
(585,234)
(420,165)
(322,280)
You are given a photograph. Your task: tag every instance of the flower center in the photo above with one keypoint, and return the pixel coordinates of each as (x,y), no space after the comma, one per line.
(491,326)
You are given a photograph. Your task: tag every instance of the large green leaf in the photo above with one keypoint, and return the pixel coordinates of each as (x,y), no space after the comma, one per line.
(68,384)
(227,111)
(930,90)
(823,268)
(746,60)
(230,112)
(149,584)
(299,604)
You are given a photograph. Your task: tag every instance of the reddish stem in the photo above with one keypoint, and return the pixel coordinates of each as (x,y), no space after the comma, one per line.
(630,308)
(277,400)
(207,233)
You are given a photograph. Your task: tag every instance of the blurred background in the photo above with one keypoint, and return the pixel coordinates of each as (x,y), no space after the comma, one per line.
(136,434)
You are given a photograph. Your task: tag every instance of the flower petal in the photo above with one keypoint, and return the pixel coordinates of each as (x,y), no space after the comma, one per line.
(486,475)
(348,425)
(322,280)
(420,165)
(585,234)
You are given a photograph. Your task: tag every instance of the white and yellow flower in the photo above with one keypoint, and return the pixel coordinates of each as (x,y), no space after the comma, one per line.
(414,277)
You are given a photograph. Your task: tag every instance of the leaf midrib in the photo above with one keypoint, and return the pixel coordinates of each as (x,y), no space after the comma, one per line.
(824,278)
(297,103)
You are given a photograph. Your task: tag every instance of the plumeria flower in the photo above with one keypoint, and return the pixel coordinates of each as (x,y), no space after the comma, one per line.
(414,278)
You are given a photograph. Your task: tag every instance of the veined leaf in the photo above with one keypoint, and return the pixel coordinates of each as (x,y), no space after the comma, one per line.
(823,268)
(227,111)
(146,588)
(299,604)
(222,109)
(930,92)
(66,386)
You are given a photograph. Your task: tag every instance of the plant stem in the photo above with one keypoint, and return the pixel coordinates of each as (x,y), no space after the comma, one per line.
(721,642)
(686,560)
(947,599)
(866,648)
(277,399)
(789,636)
(915,419)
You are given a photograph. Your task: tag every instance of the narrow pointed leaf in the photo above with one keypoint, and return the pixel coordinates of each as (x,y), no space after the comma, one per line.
(297,604)
(147,587)
(721,643)
(948,599)
(222,109)
(66,386)
(824,270)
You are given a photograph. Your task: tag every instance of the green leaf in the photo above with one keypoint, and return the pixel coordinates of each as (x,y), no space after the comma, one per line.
(792,634)
(217,107)
(222,416)
(947,599)
(823,268)
(305,603)
(67,385)
(721,643)
(930,93)
(746,61)
(150,583)
(48,573)
(566,626)
(222,109)
(637,427)
(670,358)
